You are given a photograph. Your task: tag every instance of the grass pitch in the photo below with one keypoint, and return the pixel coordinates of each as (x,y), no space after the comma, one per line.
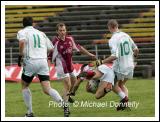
(141,92)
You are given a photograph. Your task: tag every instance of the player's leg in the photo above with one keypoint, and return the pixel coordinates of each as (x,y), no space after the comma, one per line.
(75,85)
(47,89)
(67,88)
(27,76)
(73,89)
(43,71)
(27,96)
(75,82)
(107,80)
(119,92)
(118,77)
(103,88)
(124,102)
(66,91)
(121,84)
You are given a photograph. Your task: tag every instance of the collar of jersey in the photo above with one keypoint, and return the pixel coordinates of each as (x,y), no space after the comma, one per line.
(116,32)
(61,39)
(29,27)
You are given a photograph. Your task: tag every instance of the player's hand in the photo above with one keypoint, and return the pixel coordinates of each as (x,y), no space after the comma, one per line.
(96,63)
(88,74)
(19,60)
(93,56)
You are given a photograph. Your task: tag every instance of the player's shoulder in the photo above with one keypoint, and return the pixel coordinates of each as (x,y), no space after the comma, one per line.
(114,36)
(54,40)
(39,31)
(112,40)
(124,33)
(27,29)
(21,31)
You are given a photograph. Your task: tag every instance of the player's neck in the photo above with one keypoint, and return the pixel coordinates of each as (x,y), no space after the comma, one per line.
(62,38)
(115,31)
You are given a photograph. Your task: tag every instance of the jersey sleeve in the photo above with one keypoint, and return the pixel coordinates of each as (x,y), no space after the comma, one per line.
(113,48)
(21,36)
(53,42)
(48,43)
(75,46)
(134,46)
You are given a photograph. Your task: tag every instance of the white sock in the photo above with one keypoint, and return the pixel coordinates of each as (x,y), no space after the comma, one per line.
(55,95)
(27,99)
(121,94)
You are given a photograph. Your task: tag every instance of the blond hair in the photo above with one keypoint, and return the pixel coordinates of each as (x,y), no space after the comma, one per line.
(112,23)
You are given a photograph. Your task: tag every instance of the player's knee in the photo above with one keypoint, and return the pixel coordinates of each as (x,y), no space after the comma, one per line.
(24,84)
(25,88)
(121,85)
(67,85)
(46,92)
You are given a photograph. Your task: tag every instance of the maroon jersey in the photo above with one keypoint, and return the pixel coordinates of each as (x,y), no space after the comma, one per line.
(62,55)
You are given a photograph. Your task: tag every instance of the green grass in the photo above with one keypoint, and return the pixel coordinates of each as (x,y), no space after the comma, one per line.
(140,90)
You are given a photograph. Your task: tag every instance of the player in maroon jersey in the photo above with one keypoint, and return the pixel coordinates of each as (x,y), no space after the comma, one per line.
(62,58)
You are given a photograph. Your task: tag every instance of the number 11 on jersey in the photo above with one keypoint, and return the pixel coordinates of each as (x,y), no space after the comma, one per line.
(35,41)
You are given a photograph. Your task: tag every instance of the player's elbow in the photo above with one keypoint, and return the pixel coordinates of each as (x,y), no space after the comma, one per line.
(136,52)
(97,97)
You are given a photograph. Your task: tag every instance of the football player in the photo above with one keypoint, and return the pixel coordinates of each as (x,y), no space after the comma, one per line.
(104,77)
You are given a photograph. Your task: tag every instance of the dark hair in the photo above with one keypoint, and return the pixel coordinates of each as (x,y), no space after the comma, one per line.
(27,21)
(59,25)
(112,23)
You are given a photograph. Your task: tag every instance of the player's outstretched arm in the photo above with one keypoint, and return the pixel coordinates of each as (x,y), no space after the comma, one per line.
(110,59)
(135,52)
(96,63)
(85,51)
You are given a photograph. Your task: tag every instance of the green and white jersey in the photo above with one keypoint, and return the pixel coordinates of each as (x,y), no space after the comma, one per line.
(36,43)
(121,46)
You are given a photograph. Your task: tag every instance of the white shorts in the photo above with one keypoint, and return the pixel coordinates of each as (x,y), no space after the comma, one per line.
(64,75)
(121,76)
(108,74)
(32,67)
